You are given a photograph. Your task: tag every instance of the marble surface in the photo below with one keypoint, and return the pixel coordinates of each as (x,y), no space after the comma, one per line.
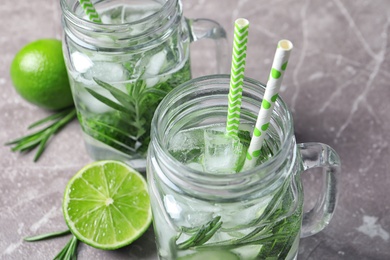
(337,86)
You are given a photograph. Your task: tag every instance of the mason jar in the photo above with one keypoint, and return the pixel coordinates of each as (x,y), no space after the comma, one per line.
(121,66)
(203,213)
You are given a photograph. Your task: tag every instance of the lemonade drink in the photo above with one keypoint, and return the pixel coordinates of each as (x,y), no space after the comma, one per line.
(205,203)
(140,69)
(264,227)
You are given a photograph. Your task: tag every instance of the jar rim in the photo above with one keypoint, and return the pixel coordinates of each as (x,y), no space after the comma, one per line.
(70,15)
(222,179)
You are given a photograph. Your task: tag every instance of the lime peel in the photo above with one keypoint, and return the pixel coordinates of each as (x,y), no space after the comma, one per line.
(38,73)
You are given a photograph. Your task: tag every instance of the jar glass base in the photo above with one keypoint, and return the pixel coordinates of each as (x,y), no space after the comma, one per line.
(100,151)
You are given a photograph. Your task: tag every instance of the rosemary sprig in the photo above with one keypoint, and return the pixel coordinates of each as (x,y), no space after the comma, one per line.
(69,252)
(202,234)
(40,138)
(276,229)
(127,128)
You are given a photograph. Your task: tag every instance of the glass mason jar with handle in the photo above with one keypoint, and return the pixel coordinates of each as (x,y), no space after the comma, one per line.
(121,68)
(203,206)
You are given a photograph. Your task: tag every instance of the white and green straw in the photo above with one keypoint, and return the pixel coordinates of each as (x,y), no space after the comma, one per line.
(271,93)
(241,27)
(90,10)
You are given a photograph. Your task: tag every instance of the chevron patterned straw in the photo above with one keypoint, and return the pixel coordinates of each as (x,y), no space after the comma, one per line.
(241,27)
(90,10)
(279,66)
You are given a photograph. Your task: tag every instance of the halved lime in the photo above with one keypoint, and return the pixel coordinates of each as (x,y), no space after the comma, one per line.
(106,205)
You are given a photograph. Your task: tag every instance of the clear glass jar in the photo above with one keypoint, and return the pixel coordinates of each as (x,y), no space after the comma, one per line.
(254,214)
(120,69)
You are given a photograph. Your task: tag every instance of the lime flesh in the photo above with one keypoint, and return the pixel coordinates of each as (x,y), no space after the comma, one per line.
(106,205)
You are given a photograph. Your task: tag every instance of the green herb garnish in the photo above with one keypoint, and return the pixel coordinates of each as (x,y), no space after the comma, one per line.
(127,128)
(69,252)
(126,125)
(47,236)
(276,229)
(40,138)
(200,235)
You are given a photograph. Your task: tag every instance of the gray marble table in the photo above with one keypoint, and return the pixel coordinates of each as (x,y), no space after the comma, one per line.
(337,86)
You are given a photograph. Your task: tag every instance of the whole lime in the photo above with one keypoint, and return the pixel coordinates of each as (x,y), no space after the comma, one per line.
(39,75)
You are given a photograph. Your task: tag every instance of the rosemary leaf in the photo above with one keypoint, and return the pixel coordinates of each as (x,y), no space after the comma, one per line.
(194,239)
(202,235)
(61,255)
(68,252)
(112,142)
(116,129)
(50,118)
(47,236)
(72,249)
(27,144)
(25,139)
(127,126)
(41,147)
(210,233)
(109,102)
(122,97)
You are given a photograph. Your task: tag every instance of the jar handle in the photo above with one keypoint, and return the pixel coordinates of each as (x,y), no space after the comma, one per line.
(316,155)
(210,29)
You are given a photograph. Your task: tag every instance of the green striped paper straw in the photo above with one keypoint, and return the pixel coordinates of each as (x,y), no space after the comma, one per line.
(279,66)
(90,10)
(241,27)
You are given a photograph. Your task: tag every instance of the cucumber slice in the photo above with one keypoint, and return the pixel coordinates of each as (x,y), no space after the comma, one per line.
(211,255)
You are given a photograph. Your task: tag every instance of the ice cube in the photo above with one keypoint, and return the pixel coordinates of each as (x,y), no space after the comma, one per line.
(90,102)
(154,67)
(172,207)
(245,213)
(106,19)
(188,147)
(81,62)
(106,71)
(196,166)
(196,212)
(135,13)
(111,73)
(223,153)
(187,139)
